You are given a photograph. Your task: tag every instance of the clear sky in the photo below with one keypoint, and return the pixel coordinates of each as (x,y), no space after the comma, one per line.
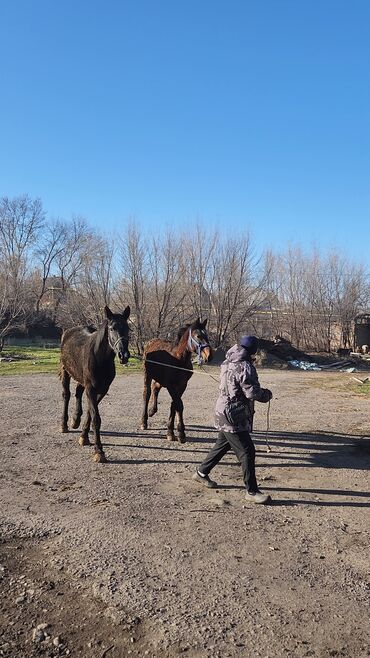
(231,112)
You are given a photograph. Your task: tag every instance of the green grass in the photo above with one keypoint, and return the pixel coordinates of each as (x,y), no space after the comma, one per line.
(36,360)
(341,382)
(362,389)
(29,360)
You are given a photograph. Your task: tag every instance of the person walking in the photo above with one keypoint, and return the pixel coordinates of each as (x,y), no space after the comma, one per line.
(240,386)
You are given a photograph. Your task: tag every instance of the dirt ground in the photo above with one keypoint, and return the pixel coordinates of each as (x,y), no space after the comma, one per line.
(132,558)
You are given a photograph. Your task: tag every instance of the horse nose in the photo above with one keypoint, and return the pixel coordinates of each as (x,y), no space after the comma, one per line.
(124,356)
(207,354)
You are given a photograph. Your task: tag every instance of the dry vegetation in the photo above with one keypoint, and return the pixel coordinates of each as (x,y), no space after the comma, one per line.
(62,272)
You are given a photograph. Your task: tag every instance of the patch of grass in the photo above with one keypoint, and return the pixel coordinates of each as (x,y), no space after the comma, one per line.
(37,360)
(134,365)
(360,389)
(29,359)
(342,382)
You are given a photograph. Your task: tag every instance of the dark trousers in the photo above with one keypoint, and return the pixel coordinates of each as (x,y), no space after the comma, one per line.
(242,445)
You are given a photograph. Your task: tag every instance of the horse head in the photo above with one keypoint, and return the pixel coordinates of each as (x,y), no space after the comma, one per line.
(198,341)
(118,333)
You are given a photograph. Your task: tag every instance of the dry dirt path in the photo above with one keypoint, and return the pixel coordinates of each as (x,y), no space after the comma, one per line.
(132,558)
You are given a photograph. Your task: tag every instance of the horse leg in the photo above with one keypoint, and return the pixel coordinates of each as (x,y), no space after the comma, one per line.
(180,424)
(146,396)
(94,400)
(179,406)
(66,394)
(179,412)
(84,438)
(78,409)
(153,402)
(176,407)
(171,422)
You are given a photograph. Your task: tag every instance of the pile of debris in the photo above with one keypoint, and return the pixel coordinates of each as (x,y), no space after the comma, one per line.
(283,350)
(280,353)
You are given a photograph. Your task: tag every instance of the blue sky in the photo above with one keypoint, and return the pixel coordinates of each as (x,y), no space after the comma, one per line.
(236,114)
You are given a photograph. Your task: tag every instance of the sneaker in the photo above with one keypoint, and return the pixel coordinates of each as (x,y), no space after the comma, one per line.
(205,480)
(257,497)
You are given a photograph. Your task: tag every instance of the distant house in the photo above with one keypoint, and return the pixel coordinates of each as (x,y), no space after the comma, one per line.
(53,293)
(362,329)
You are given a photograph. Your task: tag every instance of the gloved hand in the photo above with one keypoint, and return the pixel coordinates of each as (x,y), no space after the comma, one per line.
(266,395)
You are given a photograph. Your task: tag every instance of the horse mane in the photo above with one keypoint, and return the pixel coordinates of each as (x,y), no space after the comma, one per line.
(168,344)
(90,328)
(181,332)
(100,335)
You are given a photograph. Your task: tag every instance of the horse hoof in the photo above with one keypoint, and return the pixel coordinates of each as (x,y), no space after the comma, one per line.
(171,437)
(100,458)
(144,426)
(182,438)
(76,423)
(84,441)
(65,429)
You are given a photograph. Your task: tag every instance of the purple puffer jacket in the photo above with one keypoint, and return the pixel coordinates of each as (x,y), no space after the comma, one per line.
(243,384)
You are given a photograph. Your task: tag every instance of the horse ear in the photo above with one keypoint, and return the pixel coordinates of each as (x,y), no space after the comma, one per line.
(108,312)
(126,312)
(197,321)
(204,323)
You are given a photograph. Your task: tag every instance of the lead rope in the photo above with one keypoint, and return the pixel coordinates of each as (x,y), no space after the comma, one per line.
(165,365)
(203,371)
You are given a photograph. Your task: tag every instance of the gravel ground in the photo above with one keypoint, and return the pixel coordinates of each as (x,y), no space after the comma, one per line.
(144,562)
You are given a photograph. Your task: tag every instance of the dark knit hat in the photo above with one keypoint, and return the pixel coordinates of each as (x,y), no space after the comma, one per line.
(250,343)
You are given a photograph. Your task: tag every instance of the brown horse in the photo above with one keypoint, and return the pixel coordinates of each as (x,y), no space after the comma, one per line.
(87,355)
(169,366)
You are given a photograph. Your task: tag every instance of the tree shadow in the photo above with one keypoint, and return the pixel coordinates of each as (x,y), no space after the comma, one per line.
(173,448)
(288,449)
(319,449)
(158,435)
(322,492)
(330,503)
(286,502)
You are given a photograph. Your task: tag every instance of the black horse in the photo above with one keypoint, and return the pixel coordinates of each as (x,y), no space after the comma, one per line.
(170,366)
(87,355)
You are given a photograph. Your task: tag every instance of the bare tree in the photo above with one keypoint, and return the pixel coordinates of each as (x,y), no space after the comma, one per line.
(84,268)
(96,280)
(134,280)
(318,297)
(21,220)
(166,269)
(238,290)
(351,295)
(199,247)
(50,249)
